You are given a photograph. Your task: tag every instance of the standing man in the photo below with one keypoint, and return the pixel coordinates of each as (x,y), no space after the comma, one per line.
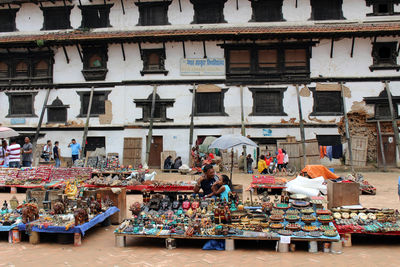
(47,151)
(14,154)
(75,150)
(56,154)
(206,181)
(27,153)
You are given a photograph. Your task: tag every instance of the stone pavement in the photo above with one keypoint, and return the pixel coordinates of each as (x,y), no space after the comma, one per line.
(98,244)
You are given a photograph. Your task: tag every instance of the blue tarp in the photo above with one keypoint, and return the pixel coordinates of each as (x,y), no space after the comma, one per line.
(77,229)
(7,228)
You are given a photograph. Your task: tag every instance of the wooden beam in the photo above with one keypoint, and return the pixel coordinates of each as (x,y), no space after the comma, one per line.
(180,6)
(65,54)
(140,50)
(237,4)
(123,7)
(346,122)
(150,133)
(393,116)
(191,129)
(352,46)
(85,130)
(302,133)
(184,49)
(378,126)
(332,42)
(243,129)
(79,52)
(35,138)
(296,4)
(123,51)
(204,49)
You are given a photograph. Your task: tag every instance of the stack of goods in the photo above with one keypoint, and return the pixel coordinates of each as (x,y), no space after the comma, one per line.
(28,176)
(112,180)
(265,181)
(9,215)
(213,217)
(63,174)
(366,220)
(43,173)
(7,175)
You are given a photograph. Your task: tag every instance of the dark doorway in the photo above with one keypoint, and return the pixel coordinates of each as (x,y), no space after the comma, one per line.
(156,148)
(93,142)
(389,149)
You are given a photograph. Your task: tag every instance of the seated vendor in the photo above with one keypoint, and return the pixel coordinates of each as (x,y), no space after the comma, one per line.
(206,181)
(262,166)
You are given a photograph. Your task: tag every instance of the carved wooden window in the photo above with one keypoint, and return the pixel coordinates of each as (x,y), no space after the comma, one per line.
(56,18)
(210,103)
(267,59)
(22,69)
(160,109)
(41,69)
(382,7)
(240,60)
(4,70)
(326,9)
(95,62)
(384,56)
(7,20)
(57,112)
(327,103)
(267,10)
(21,104)
(153,13)
(153,61)
(208,11)
(96,16)
(98,103)
(268,101)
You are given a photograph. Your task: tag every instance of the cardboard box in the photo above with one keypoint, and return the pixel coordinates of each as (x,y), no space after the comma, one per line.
(119,201)
(343,194)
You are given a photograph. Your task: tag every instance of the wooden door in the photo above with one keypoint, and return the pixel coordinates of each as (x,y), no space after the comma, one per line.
(389,149)
(132,151)
(156,148)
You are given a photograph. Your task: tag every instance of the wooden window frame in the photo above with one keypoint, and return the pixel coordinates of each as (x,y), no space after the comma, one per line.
(55,106)
(144,6)
(85,93)
(280,73)
(106,7)
(325,113)
(376,3)
(198,4)
(256,91)
(145,53)
(94,73)
(314,11)
(13,13)
(29,94)
(211,114)
(272,4)
(377,64)
(47,10)
(145,104)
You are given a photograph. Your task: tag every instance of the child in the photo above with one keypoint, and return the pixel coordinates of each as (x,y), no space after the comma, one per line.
(222,187)
(262,166)
(249,161)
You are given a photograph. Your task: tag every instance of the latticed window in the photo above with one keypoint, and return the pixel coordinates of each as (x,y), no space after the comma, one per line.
(153,61)
(98,103)
(56,18)
(267,10)
(326,9)
(21,69)
(153,13)
(21,104)
(4,72)
(7,20)
(327,103)
(267,101)
(208,11)
(41,68)
(96,16)
(382,7)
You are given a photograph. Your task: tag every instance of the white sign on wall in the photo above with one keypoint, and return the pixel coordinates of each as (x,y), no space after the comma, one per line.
(203,66)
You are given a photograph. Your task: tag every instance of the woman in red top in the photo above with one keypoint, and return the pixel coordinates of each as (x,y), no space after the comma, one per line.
(280,158)
(268,159)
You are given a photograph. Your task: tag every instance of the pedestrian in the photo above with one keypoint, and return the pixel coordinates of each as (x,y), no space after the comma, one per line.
(75,150)
(177,163)
(47,151)
(285,160)
(56,154)
(27,155)
(280,158)
(262,166)
(3,154)
(249,162)
(14,154)
(241,160)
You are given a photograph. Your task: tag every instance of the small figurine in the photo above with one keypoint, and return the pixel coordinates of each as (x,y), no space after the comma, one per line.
(5,205)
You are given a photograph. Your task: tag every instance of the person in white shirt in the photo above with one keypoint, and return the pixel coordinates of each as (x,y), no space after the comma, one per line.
(4,154)
(14,154)
(47,151)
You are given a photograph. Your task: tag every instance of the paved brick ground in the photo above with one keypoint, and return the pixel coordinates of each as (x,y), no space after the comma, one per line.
(98,245)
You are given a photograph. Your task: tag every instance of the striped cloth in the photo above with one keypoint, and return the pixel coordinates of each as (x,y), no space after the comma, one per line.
(14,153)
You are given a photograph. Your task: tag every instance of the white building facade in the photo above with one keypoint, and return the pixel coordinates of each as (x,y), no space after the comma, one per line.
(127,49)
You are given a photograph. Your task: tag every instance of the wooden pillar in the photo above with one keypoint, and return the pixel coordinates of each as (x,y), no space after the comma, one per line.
(394,118)
(231,166)
(34,141)
(120,241)
(150,134)
(302,134)
(85,131)
(346,121)
(192,122)
(243,128)
(34,238)
(378,126)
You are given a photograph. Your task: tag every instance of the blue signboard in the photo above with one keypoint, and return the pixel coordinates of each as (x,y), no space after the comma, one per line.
(267,132)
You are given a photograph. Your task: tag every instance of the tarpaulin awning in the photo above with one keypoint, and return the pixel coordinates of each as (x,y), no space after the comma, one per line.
(314,171)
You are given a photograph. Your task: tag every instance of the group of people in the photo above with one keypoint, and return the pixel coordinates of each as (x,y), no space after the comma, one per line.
(168,164)
(14,156)
(277,164)
(211,185)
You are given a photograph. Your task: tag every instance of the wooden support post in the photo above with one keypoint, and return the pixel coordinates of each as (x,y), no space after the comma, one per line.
(77,239)
(231,166)
(79,52)
(204,49)
(394,118)
(180,6)
(302,134)
(346,121)
(184,49)
(352,46)
(65,54)
(123,51)
(191,121)
(378,126)
(243,127)
(332,43)
(123,7)
(34,238)
(229,244)
(85,131)
(120,241)
(39,126)
(150,134)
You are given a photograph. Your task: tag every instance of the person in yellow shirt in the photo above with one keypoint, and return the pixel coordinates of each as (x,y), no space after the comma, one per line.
(262,166)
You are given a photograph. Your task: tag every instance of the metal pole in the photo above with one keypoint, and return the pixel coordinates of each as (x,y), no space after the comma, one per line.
(34,141)
(191,122)
(243,128)
(378,124)
(302,134)
(85,131)
(150,134)
(346,121)
(394,118)
(231,166)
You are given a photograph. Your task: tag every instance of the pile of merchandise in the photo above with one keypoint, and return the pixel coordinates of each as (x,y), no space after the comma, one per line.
(366,220)
(194,216)
(9,214)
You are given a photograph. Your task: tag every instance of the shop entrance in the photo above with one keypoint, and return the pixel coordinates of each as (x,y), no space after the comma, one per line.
(156,147)
(132,151)
(389,149)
